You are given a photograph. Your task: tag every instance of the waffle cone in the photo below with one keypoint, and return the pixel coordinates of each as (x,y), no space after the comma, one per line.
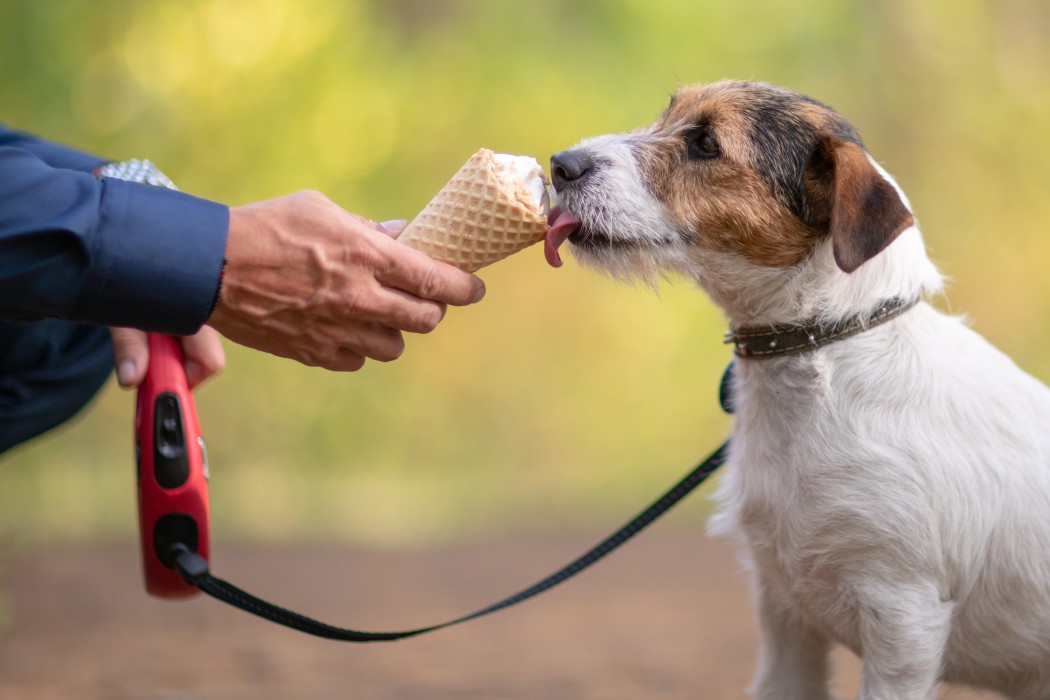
(475,220)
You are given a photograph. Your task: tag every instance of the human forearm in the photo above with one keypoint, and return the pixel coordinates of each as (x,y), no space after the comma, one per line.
(111,253)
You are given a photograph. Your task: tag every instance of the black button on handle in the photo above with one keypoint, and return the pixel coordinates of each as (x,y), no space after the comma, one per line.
(171,464)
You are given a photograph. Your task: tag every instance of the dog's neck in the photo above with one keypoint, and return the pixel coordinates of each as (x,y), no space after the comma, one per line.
(815,290)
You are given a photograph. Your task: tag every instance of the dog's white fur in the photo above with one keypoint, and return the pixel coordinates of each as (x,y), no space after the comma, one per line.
(892,489)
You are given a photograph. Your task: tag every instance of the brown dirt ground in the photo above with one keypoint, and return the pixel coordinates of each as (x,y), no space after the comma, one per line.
(667,617)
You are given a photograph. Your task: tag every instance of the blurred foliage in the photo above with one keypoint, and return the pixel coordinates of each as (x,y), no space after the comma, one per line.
(563,400)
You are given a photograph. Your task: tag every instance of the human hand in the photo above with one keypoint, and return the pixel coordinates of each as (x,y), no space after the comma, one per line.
(306,280)
(203,352)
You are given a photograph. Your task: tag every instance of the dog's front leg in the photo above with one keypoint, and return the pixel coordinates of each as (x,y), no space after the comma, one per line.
(903,630)
(792,655)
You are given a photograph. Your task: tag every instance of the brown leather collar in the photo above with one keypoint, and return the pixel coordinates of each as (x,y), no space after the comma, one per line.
(776,340)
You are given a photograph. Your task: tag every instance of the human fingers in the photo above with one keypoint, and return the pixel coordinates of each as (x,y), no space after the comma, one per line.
(407,312)
(204,355)
(346,360)
(130,356)
(341,347)
(341,360)
(416,273)
(372,340)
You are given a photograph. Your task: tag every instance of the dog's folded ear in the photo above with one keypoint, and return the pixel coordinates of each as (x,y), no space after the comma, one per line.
(861,209)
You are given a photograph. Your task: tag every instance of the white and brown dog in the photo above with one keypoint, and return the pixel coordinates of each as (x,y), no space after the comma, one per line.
(889,468)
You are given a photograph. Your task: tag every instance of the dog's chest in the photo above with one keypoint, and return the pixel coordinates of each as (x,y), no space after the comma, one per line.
(774,412)
(787,493)
(791,487)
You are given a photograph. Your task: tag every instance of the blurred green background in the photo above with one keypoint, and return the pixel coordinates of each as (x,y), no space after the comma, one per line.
(564,400)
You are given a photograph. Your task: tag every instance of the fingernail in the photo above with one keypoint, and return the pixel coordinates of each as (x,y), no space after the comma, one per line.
(125,372)
(479,295)
(394,225)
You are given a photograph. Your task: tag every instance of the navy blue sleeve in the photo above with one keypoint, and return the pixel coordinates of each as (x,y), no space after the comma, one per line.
(112,253)
(54,155)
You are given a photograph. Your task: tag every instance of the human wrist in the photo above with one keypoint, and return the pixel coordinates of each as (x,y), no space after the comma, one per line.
(236,256)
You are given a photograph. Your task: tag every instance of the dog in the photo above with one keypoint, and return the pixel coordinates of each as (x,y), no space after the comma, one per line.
(889,470)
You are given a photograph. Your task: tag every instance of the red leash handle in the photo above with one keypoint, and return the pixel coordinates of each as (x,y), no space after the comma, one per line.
(172,470)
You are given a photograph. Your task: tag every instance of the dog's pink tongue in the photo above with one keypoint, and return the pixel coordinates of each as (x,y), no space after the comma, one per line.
(562,225)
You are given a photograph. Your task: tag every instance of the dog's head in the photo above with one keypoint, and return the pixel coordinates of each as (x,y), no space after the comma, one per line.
(732,168)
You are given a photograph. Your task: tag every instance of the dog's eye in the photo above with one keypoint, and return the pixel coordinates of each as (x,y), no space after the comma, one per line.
(702,145)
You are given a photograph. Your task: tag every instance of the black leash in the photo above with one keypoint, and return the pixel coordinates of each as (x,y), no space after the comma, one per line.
(193,569)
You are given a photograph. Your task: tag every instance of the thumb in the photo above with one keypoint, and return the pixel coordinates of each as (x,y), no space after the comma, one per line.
(130,355)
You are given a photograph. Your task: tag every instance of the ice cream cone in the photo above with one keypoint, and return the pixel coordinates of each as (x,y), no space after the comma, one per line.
(484,214)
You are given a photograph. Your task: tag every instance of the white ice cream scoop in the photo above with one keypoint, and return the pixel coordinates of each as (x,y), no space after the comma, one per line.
(525,173)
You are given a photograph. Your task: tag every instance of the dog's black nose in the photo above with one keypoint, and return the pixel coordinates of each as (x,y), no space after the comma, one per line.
(569,166)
